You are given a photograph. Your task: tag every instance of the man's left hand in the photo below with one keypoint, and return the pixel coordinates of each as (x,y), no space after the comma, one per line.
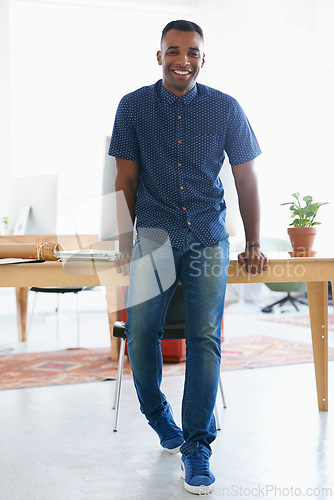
(253,260)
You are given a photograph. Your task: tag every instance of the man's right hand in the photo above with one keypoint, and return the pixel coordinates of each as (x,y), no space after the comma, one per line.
(122,263)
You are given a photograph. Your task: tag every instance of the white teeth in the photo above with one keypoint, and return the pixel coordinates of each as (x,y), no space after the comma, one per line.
(179,72)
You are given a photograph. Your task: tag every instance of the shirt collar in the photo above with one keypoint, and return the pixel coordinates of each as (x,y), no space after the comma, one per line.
(171,98)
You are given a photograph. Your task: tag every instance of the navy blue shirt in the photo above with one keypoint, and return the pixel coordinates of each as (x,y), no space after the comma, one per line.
(180,145)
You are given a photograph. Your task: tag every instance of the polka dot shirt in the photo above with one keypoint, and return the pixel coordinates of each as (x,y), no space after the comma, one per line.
(180,145)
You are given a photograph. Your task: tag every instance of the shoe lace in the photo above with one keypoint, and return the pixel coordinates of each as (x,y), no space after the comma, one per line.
(199,461)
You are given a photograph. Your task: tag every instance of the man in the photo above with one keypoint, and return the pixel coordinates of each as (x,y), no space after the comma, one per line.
(169,140)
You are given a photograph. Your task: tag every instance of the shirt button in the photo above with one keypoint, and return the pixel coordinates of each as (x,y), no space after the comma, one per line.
(188,223)
(179,117)
(181,187)
(183,208)
(179,100)
(179,142)
(179,164)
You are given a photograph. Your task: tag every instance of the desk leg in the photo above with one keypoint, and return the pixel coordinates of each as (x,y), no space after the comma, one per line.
(113,303)
(21,308)
(318,304)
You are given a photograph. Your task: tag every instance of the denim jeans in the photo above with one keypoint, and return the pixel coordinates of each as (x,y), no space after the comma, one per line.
(155,272)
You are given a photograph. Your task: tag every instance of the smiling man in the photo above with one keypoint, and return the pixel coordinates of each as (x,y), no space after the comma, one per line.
(170,141)
(181,57)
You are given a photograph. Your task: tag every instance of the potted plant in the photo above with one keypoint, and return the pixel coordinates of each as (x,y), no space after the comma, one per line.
(303,230)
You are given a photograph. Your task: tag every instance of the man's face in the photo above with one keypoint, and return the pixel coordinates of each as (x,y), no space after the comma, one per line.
(181,57)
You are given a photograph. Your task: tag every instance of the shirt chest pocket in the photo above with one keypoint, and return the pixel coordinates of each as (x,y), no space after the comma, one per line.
(207,145)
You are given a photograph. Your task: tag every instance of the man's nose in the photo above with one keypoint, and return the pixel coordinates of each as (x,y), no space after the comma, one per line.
(183,60)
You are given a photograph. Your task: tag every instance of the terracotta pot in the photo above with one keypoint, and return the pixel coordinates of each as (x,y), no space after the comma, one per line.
(302,238)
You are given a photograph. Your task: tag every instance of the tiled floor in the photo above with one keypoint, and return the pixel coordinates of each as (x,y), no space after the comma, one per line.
(57,443)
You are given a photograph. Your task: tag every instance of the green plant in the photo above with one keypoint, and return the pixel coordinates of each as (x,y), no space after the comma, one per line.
(304,215)
(3,224)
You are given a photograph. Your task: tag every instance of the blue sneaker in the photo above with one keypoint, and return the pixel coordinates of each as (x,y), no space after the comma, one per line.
(171,436)
(195,470)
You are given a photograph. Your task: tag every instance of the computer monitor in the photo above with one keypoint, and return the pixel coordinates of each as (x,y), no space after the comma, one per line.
(108,226)
(40,194)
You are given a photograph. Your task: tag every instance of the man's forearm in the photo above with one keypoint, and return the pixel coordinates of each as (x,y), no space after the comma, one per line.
(249,203)
(252,259)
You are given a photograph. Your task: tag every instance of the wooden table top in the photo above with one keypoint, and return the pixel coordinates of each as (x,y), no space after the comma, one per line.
(281,268)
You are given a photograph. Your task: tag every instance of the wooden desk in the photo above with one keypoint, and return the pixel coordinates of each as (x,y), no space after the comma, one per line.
(316,271)
(70,242)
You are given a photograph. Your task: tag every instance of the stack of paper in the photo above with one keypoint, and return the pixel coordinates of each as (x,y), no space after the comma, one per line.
(19,261)
(87,254)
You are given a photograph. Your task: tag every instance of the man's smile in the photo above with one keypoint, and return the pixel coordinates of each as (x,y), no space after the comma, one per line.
(181,71)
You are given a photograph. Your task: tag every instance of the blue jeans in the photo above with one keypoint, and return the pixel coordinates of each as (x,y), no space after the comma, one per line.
(155,272)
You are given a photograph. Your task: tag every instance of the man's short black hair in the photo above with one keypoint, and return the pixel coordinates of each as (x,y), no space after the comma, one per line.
(182,26)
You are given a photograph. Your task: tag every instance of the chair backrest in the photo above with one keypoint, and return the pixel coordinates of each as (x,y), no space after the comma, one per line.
(176,309)
(273,244)
(175,317)
(281,245)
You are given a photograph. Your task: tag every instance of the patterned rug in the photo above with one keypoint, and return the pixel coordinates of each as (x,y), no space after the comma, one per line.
(72,366)
(299,320)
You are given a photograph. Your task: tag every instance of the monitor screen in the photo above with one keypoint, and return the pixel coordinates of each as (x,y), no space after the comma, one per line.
(109,228)
(33,205)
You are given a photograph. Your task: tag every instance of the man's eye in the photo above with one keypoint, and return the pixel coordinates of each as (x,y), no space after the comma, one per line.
(194,54)
(171,52)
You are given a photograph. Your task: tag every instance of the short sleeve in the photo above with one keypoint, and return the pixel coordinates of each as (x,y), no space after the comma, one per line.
(241,144)
(124,141)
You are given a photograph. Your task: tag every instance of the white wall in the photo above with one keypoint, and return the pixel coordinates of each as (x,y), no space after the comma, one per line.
(70,65)
(5,165)
(275,57)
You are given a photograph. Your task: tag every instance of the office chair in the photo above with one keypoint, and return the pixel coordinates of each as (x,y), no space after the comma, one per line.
(174,329)
(286,287)
(280,245)
(57,290)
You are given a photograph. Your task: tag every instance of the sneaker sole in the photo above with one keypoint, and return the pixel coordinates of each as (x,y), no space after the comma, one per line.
(172,451)
(196,490)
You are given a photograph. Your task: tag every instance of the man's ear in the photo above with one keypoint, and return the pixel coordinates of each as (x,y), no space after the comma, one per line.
(203,60)
(159,58)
